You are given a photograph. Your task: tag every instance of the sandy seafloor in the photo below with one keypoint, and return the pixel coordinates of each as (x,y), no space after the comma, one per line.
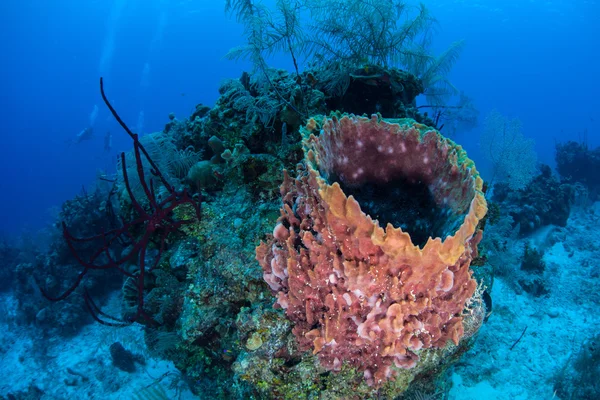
(557,324)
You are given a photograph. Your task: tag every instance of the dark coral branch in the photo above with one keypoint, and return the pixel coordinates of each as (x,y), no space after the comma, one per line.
(155,171)
(156,220)
(519,339)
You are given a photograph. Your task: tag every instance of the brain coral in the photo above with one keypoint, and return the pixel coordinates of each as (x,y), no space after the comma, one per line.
(370,256)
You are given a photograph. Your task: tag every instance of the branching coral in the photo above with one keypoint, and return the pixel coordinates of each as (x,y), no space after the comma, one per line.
(342,37)
(360,293)
(156,220)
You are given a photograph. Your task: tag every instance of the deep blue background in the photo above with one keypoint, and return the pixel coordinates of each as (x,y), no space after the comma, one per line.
(531,59)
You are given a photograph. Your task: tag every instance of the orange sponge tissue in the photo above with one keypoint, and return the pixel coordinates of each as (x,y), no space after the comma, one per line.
(360,291)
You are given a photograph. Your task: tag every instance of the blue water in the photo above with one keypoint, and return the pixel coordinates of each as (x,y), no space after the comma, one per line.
(53,55)
(533,60)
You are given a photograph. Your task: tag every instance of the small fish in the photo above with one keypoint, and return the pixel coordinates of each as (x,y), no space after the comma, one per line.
(228,354)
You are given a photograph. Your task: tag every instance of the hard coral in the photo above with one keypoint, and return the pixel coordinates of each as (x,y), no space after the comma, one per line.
(576,162)
(544,201)
(363,294)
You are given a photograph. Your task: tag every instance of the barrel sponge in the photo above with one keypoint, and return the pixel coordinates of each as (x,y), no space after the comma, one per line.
(358,289)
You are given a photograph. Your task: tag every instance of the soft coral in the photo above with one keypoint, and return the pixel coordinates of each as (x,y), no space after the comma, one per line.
(156,221)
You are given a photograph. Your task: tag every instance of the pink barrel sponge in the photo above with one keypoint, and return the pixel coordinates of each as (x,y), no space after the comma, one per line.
(357,292)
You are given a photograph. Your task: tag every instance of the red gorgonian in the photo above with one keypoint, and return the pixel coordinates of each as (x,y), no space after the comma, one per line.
(154,218)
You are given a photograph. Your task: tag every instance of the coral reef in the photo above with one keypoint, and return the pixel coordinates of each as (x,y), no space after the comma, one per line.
(520,263)
(250,113)
(372,89)
(154,217)
(576,162)
(124,359)
(381,72)
(222,281)
(361,295)
(532,260)
(55,268)
(544,201)
(194,283)
(10,255)
(533,266)
(203,301)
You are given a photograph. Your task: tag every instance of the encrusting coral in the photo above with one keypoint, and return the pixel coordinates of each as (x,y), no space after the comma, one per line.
(363,294)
